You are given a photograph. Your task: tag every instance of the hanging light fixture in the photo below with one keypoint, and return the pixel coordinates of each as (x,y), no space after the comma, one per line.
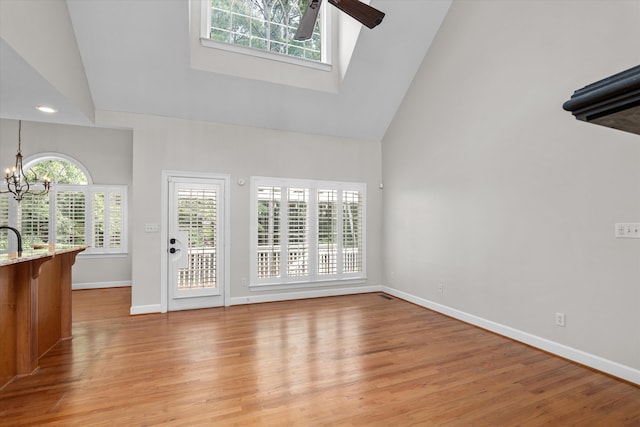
(16,180)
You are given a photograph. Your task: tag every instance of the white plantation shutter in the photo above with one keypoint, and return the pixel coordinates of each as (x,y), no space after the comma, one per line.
(108,228)
(306,231)
(352,215)
(297,232)
(98,221)
(75,212)
(70,221)
(268,238)
(33,219)
(116,217)
(327,232)
(4,220)
(197,217)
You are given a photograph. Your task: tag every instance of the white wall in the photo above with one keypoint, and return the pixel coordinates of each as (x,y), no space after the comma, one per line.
(106,153)
(162,143)
(43,34)
(497,193)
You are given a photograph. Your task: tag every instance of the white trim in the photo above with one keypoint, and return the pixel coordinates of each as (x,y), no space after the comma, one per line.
(318,293)
(596,362)
(325,49)
(313,277)
(99,285)
(307,284)
(164,237)
(263,54)
(145,309)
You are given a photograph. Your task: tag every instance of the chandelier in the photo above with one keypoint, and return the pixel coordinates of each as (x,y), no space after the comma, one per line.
(16,180)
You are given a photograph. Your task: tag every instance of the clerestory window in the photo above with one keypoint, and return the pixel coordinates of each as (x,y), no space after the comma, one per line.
(75,212)
(263,25)
(307,231)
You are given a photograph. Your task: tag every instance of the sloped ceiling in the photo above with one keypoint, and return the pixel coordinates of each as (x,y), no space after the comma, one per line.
(136,59)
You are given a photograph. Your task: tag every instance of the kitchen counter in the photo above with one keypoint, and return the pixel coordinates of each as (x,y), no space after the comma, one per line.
(35,306)
(33,254)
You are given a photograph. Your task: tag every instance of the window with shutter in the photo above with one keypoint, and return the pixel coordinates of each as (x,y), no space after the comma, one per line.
(32,219)
(297,232)
(322,234)
(352,231)
(4,219)
(268,237)
(116,217)
(108,219)
(70,216)
(75,212)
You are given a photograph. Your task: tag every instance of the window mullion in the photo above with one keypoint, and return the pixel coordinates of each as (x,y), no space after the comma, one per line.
(53,231)
(284,232)
(88,217)
(106,218)
(340,231)
(271,226)
(313,233)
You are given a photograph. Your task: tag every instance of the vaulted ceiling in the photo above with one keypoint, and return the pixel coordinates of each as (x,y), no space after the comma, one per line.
(135,56)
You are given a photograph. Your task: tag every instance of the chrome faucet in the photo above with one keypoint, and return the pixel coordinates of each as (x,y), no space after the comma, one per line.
(18,236)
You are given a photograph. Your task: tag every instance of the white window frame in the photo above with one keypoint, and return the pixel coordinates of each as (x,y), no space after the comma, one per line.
(314,278)
(325,33)
(89,190)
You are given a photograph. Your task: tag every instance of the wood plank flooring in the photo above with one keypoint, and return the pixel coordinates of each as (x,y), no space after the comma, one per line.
(361,360)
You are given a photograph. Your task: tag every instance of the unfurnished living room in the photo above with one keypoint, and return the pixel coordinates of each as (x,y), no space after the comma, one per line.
(320,213)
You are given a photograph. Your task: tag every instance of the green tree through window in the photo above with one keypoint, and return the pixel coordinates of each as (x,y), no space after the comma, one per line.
(267,25)
(60,172)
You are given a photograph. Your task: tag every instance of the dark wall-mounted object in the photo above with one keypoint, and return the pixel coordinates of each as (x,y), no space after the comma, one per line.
(613,102)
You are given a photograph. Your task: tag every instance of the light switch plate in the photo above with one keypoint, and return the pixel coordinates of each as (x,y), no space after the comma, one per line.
(628,230)
(151,228)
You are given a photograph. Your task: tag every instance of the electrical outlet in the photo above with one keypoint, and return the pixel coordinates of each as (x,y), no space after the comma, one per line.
(244,281)
(561,320)
(440,288)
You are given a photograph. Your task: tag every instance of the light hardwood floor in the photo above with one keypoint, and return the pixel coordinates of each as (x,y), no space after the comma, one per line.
(341,361)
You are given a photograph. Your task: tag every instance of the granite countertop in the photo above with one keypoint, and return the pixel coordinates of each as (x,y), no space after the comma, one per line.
(33,254)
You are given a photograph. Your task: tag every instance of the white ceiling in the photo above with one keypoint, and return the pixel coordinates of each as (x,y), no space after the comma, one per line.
(136,59)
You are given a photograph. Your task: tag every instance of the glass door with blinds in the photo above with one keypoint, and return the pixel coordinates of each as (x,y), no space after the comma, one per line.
(195,255)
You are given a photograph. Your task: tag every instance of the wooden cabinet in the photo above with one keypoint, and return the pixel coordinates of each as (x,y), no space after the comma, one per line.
(35,308)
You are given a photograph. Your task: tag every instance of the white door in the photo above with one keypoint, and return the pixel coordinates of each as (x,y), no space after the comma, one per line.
(195,248)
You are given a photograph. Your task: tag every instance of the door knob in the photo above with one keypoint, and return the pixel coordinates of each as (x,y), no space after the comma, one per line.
(173,250)
(172,241)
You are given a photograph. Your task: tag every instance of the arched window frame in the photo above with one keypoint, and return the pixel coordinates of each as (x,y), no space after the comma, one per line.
(31,161)
(104,230)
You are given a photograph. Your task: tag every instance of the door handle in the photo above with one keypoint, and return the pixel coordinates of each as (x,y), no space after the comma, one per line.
(172,241)
(173,250)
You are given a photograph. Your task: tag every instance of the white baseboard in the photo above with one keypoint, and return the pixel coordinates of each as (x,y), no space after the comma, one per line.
(596,362)
(252,299)
(145,309)
(99,285)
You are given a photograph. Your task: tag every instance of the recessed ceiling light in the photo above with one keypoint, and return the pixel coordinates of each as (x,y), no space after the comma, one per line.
(46,109)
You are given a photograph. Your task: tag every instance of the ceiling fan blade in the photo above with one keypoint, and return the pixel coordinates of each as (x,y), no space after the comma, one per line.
(308,21)
(359,11)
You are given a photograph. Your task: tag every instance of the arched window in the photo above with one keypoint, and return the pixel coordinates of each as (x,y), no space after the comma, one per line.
(75,212)
(60,169)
